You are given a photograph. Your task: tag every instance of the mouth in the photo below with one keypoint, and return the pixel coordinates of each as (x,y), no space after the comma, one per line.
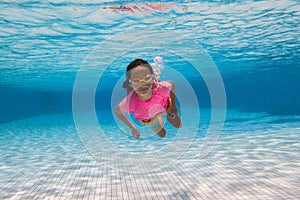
(143,89)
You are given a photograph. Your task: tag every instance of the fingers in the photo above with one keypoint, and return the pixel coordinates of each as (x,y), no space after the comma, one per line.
(135,133)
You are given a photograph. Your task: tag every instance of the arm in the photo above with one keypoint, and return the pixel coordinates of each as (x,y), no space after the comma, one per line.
(173,98)
(126,121)
(173,116)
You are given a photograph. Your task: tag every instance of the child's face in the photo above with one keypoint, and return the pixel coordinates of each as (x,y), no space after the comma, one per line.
(143,88)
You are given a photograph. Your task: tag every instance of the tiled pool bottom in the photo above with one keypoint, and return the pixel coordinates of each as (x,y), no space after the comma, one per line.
(43,158)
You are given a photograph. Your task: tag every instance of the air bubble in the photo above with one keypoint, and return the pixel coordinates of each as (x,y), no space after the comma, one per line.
(157,66)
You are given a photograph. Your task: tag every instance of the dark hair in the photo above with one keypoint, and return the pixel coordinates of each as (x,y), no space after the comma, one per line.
(132,65)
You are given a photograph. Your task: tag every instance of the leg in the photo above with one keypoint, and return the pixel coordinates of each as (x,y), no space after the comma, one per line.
(159,128)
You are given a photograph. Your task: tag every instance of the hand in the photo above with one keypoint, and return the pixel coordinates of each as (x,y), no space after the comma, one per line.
(135,133)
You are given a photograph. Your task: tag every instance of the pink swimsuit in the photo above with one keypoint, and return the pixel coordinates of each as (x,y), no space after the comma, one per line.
(147,110)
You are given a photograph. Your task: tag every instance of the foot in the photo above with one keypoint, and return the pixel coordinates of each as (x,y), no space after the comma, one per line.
(174,119)
(162,133)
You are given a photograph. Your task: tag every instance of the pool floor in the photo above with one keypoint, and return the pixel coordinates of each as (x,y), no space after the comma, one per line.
(42,159)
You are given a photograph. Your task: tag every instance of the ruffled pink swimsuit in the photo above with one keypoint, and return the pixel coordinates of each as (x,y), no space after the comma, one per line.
(147,110)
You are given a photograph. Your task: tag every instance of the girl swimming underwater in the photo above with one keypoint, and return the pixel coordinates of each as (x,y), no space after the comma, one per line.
(148,99)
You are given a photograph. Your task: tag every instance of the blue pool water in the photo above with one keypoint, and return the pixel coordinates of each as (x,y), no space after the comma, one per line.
(236,68)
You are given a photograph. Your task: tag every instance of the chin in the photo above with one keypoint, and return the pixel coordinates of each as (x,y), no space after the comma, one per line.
(144,93)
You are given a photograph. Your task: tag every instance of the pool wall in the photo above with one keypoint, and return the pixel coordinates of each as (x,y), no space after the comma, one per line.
(271,91)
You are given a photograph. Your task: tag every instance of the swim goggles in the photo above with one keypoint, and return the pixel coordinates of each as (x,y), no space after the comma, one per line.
(146,79)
